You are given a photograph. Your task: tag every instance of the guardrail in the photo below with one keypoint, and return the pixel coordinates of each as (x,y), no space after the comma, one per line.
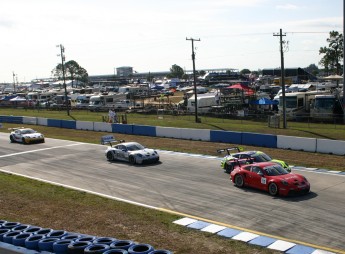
(316,145)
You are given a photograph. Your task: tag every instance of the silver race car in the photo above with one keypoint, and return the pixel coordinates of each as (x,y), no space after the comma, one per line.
(132,152)
(26,136)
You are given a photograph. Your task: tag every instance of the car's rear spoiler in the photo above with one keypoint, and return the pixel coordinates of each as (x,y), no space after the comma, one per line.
(17,128)
(110,139)
(238,148)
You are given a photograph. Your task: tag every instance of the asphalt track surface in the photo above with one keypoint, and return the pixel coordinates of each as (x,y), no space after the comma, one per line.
(192,185)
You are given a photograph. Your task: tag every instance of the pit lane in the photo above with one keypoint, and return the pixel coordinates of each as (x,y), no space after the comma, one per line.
(192,185)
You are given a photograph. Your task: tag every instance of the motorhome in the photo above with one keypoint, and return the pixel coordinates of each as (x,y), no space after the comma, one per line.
(83,101)
(326,107)
(103,102)
(298,103)
(204,102)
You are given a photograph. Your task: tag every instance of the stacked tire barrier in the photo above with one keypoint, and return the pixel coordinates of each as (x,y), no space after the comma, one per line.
(22,238)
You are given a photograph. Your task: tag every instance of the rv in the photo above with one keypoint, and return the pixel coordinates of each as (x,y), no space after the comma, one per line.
(298,103)
(204,102)
(326,107)
(104,102)
(83,101)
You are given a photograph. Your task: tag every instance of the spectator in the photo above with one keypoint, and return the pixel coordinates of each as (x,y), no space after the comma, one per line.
(111,115)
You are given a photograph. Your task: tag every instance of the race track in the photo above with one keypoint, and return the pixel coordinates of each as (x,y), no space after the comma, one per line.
(193,185)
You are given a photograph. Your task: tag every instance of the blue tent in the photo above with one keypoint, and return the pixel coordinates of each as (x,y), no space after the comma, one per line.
(265,101)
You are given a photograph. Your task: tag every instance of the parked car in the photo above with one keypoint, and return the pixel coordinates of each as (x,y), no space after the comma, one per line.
(270,177)
(26,136)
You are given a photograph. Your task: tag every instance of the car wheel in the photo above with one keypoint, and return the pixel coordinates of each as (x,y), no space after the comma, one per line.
(110,156)
(228,168)
(239,181)
(12,139)
(273,189)
(131,160)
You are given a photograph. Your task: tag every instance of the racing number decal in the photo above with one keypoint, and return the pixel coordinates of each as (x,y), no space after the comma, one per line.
(263,180)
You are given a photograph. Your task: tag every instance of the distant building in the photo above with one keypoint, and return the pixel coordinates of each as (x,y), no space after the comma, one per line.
(298,75)
(124,71)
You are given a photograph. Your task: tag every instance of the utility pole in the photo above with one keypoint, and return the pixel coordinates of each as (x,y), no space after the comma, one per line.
(14,82)
(62,54)
(343,62)
(282,75)
(197,120)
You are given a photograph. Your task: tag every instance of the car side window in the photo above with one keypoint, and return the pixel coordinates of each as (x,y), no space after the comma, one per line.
(247,168)
(256,170)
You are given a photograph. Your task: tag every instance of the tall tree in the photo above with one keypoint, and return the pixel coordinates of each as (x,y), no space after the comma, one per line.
(333,54)
(312,69)
(73,71)
(176,72)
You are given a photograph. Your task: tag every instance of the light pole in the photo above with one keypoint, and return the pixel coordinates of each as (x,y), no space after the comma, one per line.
(197,120)
(62,51)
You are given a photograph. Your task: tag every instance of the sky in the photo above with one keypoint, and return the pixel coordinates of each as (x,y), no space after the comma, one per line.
(151,35)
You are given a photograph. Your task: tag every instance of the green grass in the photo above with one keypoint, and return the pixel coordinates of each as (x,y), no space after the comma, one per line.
(44,205)
(298,129)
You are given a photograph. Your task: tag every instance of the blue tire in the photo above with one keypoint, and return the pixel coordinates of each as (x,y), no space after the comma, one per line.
(61,246)
(19,240)
(46,244)
(2,222)
(2,232)
(8,237)
(96,248)
(122,244)
(31,242)
(44,231)
(104,240)
(141,248)
(77,247)
(57,233)
(10,225)
(20,227)
(116,251)
(72,237)
(88,238)
(32,230)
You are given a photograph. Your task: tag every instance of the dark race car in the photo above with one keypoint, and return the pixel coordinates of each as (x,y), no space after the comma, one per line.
(231,159)
(269,177)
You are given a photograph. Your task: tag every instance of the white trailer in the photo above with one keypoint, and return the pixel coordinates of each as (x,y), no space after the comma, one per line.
(204,102)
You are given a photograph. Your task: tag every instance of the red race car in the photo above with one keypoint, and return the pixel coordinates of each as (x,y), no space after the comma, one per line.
(270,177)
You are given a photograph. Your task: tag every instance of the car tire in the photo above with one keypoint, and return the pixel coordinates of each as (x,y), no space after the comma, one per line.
(110,156)
(239,181)
(12,139)
(273,189)
(228,168)
(131,160)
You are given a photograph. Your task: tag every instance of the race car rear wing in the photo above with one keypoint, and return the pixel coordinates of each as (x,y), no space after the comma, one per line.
(16,128)
(238,148)
(110,139)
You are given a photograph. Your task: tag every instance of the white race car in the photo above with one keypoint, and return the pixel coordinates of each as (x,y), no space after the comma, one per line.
(132,152)
(26,136)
